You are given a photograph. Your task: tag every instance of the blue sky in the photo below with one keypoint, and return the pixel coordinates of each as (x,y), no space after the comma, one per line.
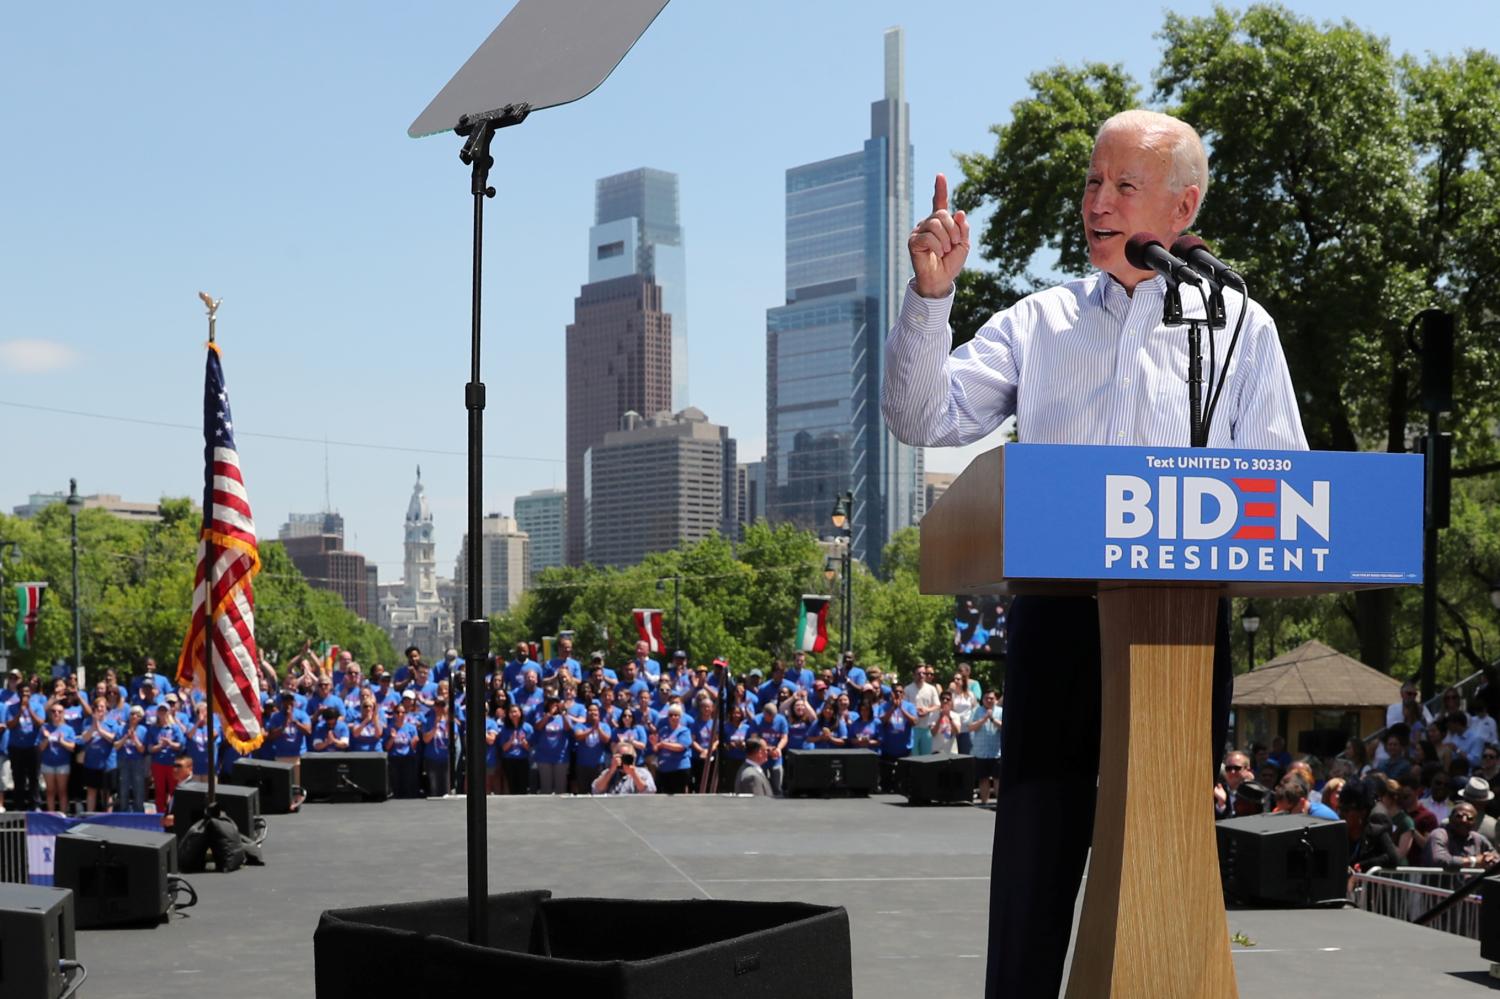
(259,152)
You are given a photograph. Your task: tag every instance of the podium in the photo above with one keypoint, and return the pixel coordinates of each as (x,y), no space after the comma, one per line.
(1159,535)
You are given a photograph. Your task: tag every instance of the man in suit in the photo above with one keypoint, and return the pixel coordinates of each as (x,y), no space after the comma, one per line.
(752,777)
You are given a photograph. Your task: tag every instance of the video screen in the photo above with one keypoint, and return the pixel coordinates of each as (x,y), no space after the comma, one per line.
(979,627)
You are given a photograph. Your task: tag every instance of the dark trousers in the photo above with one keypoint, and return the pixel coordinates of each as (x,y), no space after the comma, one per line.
(25,768)
(1049,766)
(404,773)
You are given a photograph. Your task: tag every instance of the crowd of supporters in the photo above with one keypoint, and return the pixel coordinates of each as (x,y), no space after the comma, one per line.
(1419,795)
(551,727)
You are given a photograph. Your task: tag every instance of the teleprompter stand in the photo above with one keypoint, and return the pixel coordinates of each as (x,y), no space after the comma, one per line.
(537,58)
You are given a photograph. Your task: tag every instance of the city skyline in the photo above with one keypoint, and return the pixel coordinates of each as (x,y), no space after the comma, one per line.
(346,289)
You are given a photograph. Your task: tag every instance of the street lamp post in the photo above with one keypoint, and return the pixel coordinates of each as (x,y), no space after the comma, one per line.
(75,505)
(12,550)
(1250,621)
(843,520)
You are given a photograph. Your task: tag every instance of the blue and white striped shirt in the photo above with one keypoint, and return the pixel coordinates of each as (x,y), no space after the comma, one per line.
(1084,363)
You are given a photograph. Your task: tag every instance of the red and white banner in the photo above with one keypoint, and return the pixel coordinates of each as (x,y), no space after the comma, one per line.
(648,626)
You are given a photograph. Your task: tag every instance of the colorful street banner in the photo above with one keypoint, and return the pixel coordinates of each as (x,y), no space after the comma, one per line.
(648,626)
(812,623)
(28,606)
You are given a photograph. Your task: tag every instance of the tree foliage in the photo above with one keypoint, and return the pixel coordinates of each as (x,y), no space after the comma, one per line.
(1355,187)
(135,592)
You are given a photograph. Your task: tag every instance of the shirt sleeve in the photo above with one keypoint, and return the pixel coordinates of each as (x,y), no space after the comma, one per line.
(1265,415)
(931,398)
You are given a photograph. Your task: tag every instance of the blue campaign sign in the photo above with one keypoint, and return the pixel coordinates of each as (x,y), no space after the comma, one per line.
(1088,512)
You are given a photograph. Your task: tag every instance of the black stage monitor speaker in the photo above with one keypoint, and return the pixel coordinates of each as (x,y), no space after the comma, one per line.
(1489,920)
(118,876)
(273,779)
(1292,860)
(36,932)
(346,777)
(727,949)
(241,804)
(830,773)
(938,777)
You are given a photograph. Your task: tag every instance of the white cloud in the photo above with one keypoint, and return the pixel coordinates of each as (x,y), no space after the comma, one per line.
(30,357)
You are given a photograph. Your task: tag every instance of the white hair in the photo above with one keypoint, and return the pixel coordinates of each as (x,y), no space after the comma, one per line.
(1181,142)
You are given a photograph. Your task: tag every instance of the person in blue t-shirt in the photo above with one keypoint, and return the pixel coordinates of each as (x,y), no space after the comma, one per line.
(529,696)
(25,722)
(134,759)
(674,746)
(851,678)
(631,680)
(629,735)
(704,732)
(864,728)
(828,730)
(164,741)
(770,691)
(100,739)
(799,673)
(367,732)
(401,742)
(448,666)
(288,732)
(591,749)
(514,670)
(799,722)
(436,759)
(514,739)
(58,740)
(645,667)
(331,734)
(898,720)
(552,747)
(736,731)
(771,728)
(563,661)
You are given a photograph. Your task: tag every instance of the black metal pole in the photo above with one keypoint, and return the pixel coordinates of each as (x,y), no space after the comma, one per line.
(1196,436)
(1428,678)
(476,629)
(1250,635)
(677,613)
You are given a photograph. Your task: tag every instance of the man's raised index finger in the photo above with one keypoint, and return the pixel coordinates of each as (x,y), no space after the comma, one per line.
(940,194)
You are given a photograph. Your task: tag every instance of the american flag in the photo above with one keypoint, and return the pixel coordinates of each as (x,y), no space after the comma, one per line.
(226,549)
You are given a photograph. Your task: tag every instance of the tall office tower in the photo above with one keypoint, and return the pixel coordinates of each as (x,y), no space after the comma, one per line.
(751,478)
(656,484)
(619,359)
(505,560)
(543,515)
(847,220)
(638,230)
(315,544)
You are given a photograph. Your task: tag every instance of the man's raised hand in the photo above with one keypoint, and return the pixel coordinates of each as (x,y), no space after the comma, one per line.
(939,245)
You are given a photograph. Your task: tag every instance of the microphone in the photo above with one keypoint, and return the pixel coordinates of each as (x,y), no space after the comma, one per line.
(1146,252)
(1196,252)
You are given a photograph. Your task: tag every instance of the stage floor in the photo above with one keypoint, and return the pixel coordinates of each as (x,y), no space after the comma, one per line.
(915,882)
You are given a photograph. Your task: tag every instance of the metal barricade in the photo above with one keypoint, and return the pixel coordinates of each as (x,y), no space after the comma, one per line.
(1405,893)
(14,866)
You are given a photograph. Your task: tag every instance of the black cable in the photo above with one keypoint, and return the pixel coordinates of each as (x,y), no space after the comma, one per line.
(67,967)
(178,886)
(1207,421)
(1213,405)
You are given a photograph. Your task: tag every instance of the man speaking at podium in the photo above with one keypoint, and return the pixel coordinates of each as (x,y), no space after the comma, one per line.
(1086,362)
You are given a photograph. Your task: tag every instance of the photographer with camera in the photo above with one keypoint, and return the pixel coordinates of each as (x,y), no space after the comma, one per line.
(624,777)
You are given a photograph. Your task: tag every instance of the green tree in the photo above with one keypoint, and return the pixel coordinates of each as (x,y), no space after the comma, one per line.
(1353,186)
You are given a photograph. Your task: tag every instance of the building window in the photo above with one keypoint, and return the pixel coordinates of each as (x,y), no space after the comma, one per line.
(607,250)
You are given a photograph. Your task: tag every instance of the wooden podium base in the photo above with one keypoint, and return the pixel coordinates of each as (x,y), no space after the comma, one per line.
(1153,912)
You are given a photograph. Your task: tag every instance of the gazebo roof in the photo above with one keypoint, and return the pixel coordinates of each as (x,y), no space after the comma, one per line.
(1313,675)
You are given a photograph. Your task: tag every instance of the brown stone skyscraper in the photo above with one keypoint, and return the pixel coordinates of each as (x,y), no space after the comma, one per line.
(619,350)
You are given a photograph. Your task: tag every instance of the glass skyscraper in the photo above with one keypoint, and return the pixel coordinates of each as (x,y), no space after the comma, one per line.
(638,230)
(847,220)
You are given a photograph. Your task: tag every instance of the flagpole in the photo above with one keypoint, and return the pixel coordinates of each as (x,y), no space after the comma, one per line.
(208,608)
